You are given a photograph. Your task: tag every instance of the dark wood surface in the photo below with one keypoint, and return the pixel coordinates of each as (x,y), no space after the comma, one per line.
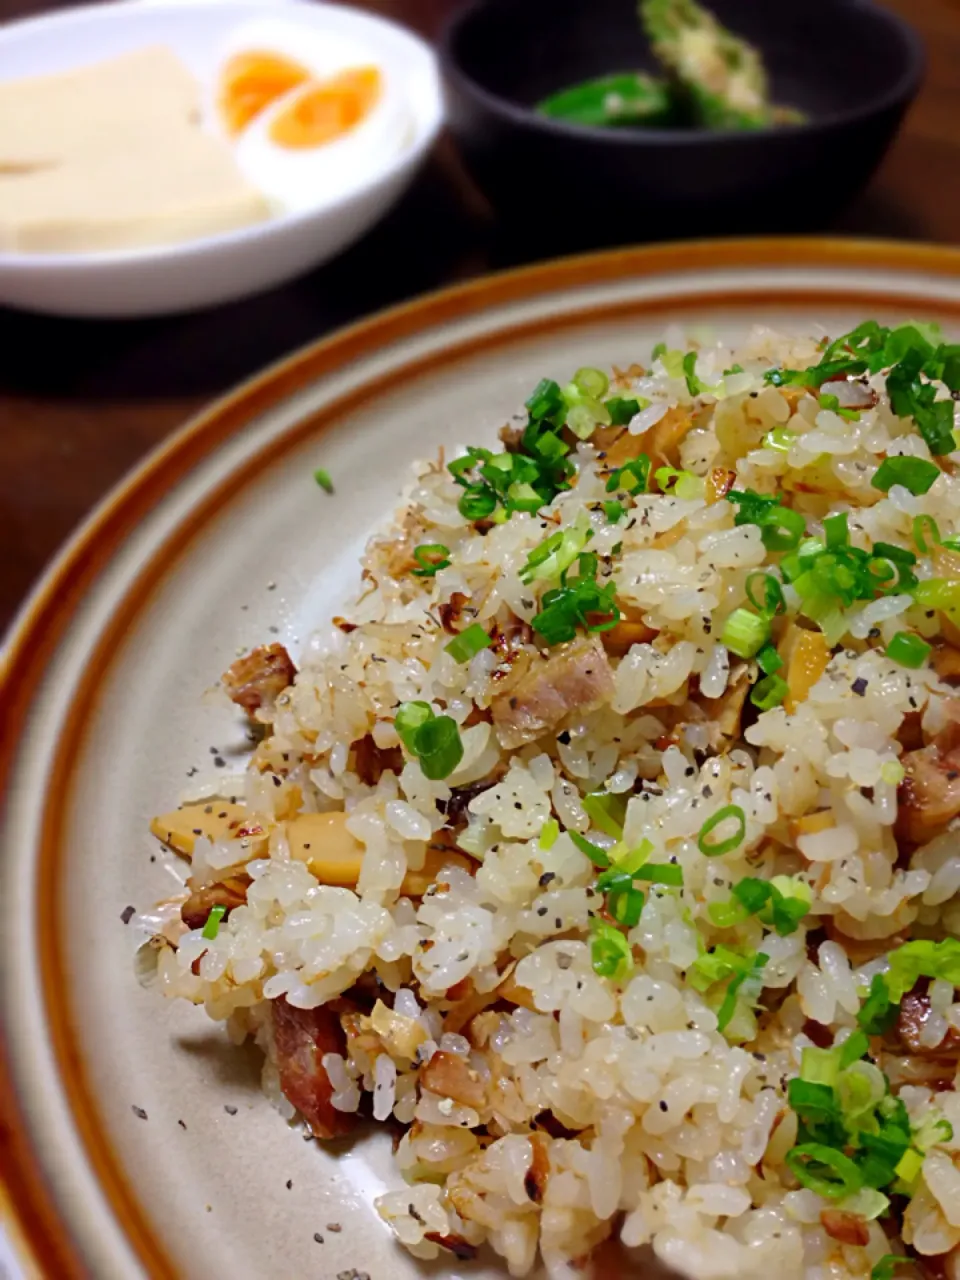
(82,401)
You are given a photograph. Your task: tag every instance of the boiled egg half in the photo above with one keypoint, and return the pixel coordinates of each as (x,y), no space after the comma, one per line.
(310,114)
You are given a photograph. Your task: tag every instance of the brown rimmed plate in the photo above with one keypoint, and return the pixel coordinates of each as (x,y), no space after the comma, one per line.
(134,1139)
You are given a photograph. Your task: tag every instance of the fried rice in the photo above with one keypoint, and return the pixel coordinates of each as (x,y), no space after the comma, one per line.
(607,846)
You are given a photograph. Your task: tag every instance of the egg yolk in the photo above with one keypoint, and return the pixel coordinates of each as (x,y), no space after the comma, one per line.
(251,81)
(328,109)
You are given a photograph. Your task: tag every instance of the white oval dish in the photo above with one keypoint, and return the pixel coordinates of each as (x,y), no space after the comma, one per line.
(219,538)
(198,273)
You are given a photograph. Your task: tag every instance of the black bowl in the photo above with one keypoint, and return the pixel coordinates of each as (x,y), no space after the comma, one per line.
(851,66)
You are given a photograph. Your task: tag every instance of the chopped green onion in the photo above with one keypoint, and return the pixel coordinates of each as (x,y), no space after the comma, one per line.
(920,525)
(596,855)
(614,512)
(477,502)
(689,366)
(631,859)
(660,873)
(771,600)
(769,660)
(554,556)
(744,633)
(633,476)
(754,894)
(908,1169)
(728,1006)
(922,958)
(884,1269)
(853,1049)
(783,530)
(658,352)
(682,484)
(212,926)
(819,1066)
(933,1129)
(714,849)
(827,1172)
(469,642)
(915,474)
(769,692)
(546,401)
(877,1013)
(591,382)
(791,901)
(434,740)
(908,650)
(606,812)
(610,952)
(410,718)
(837,530)
(726,914)
(549,834)
(622,409)
(780,438)
(323,480)
(439,747)
(431,557)
(626,906)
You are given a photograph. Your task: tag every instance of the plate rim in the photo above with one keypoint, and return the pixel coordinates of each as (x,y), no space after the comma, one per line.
(50,610)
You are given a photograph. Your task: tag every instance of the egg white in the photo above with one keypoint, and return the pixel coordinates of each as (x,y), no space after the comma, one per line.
(308,178)
(294,179)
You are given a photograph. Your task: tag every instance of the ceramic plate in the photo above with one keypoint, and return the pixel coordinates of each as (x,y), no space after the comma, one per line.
(134,1138)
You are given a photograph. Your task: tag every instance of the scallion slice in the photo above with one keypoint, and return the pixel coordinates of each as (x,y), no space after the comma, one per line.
(915,474)
(822,1169)
(745,633)
(323,480)
(769,692)
(610,952)
(469,642)
(765,593)
(596,855)
(212,926)
(715,848)
(549,834)
(431,557)
(908,650)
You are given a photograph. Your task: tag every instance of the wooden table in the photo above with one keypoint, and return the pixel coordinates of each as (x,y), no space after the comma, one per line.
(82,401)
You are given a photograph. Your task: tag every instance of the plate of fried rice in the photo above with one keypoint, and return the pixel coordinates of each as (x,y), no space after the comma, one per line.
(485,799)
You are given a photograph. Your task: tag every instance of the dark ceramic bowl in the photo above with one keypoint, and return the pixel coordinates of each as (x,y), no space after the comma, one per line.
(851,66)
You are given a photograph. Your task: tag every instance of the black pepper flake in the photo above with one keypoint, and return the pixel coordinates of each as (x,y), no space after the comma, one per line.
(289,1184)
(417,1217)
(663,1105)
(546,878)
(541,911)
(231,1111)
(558,923)
(139,1113)
(219,762)
(182,1124)
(127,914)
(859,686)
(564,737)
(277,782)
(353,1274)
(318,1237)
(198,831)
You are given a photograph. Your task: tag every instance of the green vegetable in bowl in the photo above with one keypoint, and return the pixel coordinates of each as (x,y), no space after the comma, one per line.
(629,98)
(719,76)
